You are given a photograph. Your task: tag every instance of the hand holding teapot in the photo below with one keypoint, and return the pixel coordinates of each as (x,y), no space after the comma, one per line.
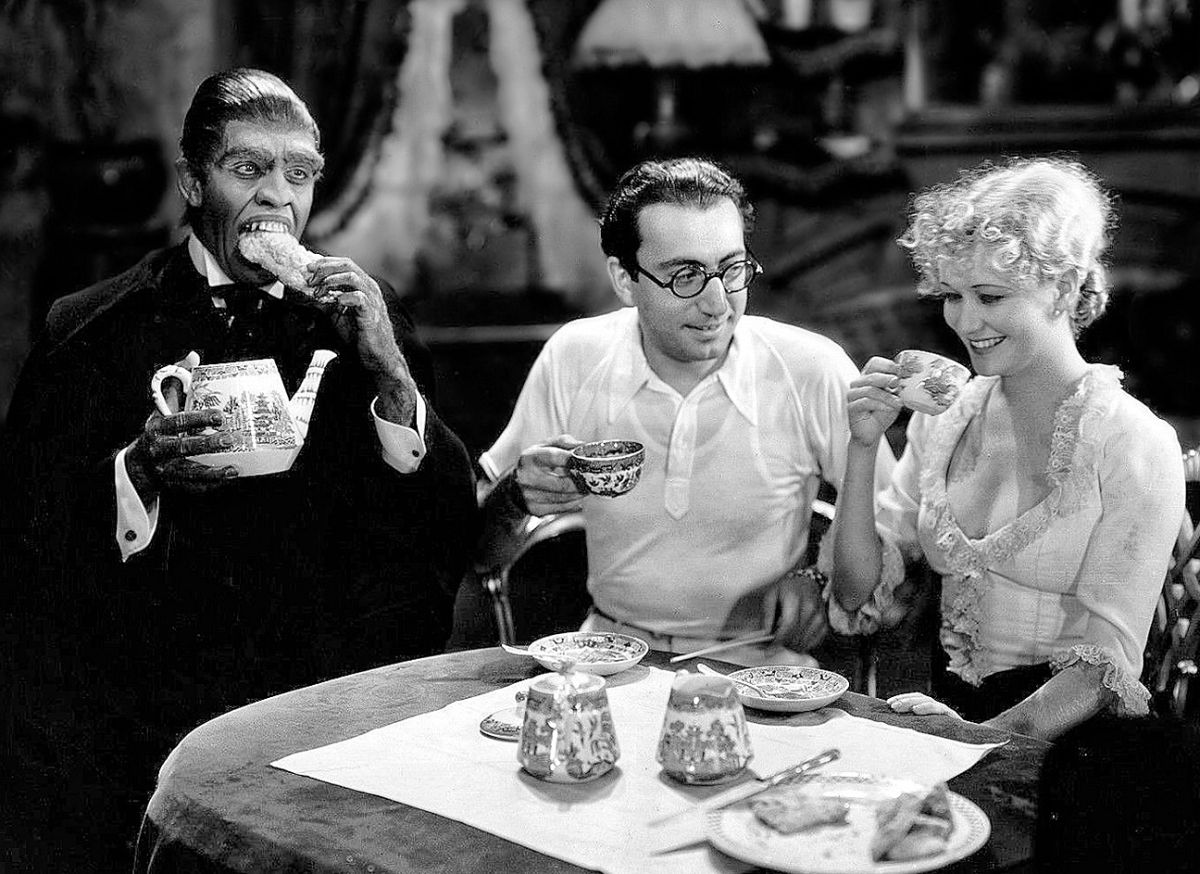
(158,459)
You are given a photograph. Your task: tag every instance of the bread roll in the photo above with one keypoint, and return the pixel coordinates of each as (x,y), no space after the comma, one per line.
(280,253)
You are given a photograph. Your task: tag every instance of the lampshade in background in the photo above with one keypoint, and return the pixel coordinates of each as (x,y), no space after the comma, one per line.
(670,36)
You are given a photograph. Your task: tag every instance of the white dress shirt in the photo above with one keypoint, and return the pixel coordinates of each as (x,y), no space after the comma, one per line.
(724,501)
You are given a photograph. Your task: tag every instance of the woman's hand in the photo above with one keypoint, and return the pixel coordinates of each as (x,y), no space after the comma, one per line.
(871,403)
(920,704)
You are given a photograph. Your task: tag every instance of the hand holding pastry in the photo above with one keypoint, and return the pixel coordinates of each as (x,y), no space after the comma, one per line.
(282,254)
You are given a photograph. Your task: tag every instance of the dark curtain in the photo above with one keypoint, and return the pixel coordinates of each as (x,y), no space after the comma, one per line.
(558,24)
(342,57)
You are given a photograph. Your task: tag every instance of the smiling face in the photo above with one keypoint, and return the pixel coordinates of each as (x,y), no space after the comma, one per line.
(684,340)
(1006,325)
(261,179)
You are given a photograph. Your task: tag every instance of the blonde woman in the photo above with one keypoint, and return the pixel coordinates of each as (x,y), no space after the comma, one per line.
(1046,497)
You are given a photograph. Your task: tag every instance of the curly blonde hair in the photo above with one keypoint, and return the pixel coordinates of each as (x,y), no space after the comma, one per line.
(1039,218)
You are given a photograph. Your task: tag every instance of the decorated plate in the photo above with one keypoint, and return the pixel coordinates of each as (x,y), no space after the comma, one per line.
(503,724)
(790,688)
(842,848)
(594,652)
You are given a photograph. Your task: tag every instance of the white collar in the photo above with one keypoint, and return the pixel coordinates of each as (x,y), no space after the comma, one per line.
(631,371)
(206,265)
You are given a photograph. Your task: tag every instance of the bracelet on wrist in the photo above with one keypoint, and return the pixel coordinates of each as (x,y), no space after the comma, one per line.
(812,574)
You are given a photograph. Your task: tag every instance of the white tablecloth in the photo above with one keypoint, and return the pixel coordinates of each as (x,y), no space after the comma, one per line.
(440,762)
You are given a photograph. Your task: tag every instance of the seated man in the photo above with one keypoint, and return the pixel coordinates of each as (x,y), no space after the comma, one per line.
(155,592)
(741,418)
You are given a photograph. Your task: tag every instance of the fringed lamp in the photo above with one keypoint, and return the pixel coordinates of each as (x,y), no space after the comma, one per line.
(670,36)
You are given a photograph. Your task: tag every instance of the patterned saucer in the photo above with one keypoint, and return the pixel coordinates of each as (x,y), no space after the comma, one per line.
(593,652)
(503,724)
(790,688)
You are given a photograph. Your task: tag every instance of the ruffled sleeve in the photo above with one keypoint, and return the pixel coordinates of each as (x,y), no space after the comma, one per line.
(1140,473)
(896,508)
(1129,696)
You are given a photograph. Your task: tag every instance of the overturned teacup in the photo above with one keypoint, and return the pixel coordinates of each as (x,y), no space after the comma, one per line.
(607,467)
(567,733)
(929,383)
(704,737)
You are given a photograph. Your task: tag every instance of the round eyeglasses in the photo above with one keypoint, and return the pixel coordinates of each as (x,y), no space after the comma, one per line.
(689,281)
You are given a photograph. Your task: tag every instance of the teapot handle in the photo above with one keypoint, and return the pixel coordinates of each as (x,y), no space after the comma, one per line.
(181,373)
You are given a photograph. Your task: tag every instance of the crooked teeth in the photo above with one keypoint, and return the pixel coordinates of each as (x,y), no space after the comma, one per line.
(266,227)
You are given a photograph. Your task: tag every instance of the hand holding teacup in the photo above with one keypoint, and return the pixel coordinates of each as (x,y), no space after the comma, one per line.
(542,476)
(929,383)
(607,467)
(922,381)
(554,477)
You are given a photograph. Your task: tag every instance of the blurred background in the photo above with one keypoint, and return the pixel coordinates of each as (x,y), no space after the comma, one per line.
(471,142)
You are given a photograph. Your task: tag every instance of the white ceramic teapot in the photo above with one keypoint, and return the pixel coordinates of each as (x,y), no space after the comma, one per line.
(268,427)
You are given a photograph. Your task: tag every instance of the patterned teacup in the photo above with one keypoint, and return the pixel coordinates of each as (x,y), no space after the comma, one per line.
(607,467)
(704,736)
(567,733)
(929,383)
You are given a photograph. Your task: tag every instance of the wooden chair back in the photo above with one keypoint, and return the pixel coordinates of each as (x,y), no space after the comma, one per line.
(1171,649)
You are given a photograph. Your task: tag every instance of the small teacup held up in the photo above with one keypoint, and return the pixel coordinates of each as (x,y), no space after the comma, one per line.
(607,467)
(929,383)
(268,428)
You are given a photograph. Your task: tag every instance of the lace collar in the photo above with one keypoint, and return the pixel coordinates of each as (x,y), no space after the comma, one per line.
(1070,466)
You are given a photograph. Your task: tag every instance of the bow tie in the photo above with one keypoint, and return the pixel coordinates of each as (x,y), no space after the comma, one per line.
(241,300)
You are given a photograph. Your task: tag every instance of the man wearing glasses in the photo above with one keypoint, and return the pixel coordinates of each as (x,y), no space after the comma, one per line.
(741,417)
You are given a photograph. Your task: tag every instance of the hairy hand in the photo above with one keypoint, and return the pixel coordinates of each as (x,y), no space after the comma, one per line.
(341,282)
(158,460)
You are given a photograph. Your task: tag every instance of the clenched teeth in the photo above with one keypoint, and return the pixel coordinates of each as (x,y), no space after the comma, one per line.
(265,226)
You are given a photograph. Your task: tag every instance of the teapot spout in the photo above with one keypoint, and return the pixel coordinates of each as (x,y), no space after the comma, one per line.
(302,402)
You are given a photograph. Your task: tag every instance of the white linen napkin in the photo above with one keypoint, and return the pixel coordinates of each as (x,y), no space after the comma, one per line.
(441,763)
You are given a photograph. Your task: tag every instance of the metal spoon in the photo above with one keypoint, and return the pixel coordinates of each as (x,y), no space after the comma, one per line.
(562,666)
(705,669)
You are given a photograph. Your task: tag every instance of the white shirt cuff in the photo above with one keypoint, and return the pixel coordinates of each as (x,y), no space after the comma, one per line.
(403,447)
(489,467)
(135,524)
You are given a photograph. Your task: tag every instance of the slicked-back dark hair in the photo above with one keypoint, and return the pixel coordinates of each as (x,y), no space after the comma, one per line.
(240,94)
(681,181)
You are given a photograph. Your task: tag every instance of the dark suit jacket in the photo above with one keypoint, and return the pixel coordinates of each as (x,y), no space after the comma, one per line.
(337,565)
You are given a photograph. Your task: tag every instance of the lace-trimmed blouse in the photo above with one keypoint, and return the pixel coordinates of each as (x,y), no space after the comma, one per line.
(1073,577)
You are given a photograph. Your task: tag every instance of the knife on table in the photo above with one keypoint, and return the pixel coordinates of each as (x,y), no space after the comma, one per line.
(687,826)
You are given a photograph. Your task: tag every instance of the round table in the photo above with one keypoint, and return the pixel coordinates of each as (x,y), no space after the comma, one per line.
(220,806)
